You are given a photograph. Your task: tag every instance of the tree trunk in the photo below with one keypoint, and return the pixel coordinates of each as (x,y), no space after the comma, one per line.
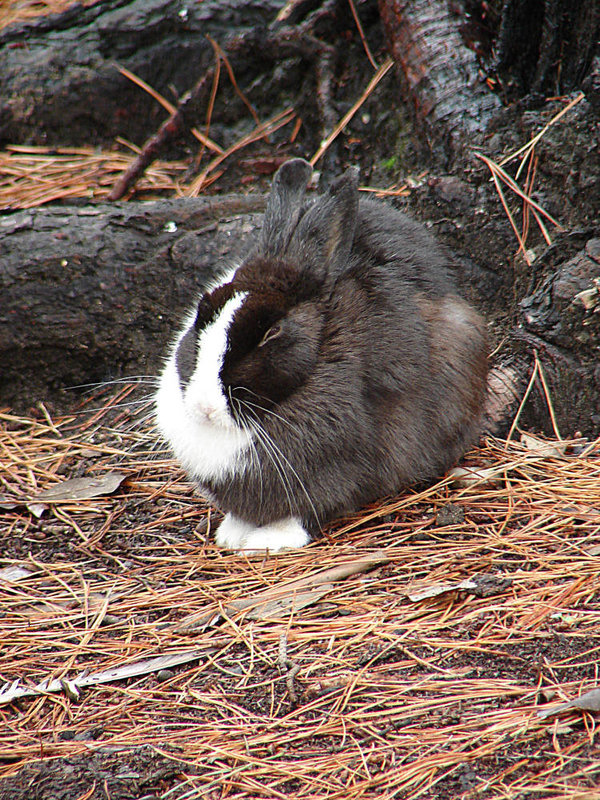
(439,73)
(94,293)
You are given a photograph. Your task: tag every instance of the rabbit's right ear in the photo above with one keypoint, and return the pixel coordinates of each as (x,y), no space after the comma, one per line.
(324,236)
(284,205)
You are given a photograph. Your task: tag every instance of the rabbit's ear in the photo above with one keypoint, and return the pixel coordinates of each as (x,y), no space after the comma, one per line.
(325,234)
(284,205)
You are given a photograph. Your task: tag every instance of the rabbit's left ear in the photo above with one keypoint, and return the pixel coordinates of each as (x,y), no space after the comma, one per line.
(325,233)
(284,205)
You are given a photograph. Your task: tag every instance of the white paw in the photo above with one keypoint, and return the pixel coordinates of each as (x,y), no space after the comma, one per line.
(282,535)
(286,534)
(232,531)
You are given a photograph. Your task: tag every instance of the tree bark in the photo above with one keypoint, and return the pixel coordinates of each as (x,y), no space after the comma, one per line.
(439,73)
(59,78)
(94,293)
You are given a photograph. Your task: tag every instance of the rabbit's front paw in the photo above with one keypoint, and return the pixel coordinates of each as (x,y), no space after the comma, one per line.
(286,534)
(232,532)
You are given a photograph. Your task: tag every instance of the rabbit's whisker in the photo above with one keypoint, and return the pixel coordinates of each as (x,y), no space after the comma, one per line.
(266,439)
(134,380)
(253,451)
(269,449)
(271,413)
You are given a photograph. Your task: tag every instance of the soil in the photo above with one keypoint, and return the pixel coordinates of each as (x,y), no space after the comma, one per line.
(447,689)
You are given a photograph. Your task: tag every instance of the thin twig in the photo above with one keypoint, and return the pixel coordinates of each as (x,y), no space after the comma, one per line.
(361,33)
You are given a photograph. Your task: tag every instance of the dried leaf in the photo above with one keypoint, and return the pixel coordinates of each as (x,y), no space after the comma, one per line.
(464,477)
(590,701)
(325,685)
(81,488)
(440,588)
(14,573)
(93,603)
(37,509)
(541,448)
(582,514)
(13,691)
(479,585)
(284,606)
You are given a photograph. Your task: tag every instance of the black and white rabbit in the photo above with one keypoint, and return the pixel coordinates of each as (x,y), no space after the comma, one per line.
(337,364)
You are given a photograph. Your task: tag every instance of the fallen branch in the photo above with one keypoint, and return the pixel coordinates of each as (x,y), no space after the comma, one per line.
(287,597)
(14,691)
(169,128)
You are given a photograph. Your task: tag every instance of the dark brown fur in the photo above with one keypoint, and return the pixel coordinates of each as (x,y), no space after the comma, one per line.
(352,351)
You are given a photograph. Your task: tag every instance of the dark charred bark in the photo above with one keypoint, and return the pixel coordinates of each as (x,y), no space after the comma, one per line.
(60,84)
(90,294)
(439,72)
(547,46)
(59,81)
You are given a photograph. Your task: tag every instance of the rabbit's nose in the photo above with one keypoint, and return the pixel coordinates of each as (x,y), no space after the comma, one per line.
(206,412)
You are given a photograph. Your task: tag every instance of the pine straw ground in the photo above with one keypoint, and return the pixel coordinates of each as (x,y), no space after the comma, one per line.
(374,689)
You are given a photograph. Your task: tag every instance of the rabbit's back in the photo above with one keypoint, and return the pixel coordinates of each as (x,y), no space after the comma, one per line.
(386,237)
(418,351)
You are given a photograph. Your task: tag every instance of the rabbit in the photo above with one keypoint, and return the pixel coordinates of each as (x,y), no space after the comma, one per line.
(336,365)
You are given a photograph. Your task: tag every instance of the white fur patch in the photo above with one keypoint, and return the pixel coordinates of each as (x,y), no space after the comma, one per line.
(197,422)
(285,534)
(220,280)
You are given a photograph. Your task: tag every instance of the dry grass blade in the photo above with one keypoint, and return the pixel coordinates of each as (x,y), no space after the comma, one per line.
(361,33)
(375,80)
(527,152)
(363,693)
(263,129)
(393,191)
(32,176)
(498,174)
(527,149)
(522,247)
(504,176)
(548,397)
(527,392)
(220,56)
(203,138)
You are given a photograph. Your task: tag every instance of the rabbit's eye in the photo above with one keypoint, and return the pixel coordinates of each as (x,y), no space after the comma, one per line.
(273,332)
